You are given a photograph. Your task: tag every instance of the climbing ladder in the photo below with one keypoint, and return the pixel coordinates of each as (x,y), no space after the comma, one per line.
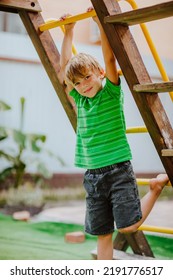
(145,93)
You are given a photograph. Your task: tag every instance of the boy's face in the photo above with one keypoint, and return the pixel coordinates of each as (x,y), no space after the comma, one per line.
(90,84)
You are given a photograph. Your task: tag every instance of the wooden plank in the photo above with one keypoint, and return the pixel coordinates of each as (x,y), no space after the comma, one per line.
(139,244)
(120,242)
(120,255)
(49,57)
(135,72)
(167,152)
(14,5)
(142,15)
(136,241)
(154,87)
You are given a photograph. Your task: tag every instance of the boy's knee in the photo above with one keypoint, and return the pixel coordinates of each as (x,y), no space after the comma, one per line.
(130,229)
(105,236)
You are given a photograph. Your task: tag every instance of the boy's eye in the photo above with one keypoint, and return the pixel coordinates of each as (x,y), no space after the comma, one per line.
(76,84)
(87,77)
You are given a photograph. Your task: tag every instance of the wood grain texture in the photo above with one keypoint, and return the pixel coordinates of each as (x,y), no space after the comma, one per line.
(154,87)
(30,5)
(142,15)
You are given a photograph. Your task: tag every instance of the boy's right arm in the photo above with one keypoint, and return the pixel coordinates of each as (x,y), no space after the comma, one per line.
(66,54)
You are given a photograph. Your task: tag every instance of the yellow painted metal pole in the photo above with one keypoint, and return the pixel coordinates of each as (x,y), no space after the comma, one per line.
(56,23)
(156,229)
(145,182)
(138,129)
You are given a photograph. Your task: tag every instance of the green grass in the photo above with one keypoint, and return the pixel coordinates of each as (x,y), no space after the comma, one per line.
(45,241)
(40,241)
(161,246)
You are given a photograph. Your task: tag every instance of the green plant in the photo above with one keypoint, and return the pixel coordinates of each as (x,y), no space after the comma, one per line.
(17,162)
(29,195)
(25,195)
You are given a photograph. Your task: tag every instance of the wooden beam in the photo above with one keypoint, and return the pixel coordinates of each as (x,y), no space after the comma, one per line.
(142,15)
(154,87)
(120,242)
(136,241)
(120,255)
(167,152)
(49,57)
(14,5)
(134,70)
(139,244)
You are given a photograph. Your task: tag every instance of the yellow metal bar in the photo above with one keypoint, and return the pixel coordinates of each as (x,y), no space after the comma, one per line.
(56,23)
(138,129)
(145,182)
(152,47)
(156,229)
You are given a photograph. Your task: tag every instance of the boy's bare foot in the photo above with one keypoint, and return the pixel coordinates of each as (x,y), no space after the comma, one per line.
(157,184)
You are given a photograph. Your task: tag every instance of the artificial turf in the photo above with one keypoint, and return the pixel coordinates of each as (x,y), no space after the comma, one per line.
(45,241)
(41,241)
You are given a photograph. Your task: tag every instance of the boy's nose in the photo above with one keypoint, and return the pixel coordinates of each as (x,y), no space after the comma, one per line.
(85,83)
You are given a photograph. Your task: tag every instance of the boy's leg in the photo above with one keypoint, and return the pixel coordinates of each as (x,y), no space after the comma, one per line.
(105,247)
(147,202)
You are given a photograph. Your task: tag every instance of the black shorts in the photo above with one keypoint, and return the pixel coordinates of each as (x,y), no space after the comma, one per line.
(112,196)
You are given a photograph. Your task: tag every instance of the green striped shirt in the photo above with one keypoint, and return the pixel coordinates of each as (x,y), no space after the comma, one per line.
(101,138)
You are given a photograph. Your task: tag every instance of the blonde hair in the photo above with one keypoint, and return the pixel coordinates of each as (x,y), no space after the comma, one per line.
(79,65)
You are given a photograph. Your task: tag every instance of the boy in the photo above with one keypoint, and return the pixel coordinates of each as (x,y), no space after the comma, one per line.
(102,146)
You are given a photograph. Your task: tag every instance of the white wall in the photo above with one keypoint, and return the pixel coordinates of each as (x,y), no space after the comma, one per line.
(44,113)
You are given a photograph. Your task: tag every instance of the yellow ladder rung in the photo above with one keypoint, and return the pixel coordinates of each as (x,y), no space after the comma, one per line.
(156,229)
(55,23)
(137,129)
(145,182)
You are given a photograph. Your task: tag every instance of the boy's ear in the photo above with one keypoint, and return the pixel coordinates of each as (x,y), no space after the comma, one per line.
(102,73)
